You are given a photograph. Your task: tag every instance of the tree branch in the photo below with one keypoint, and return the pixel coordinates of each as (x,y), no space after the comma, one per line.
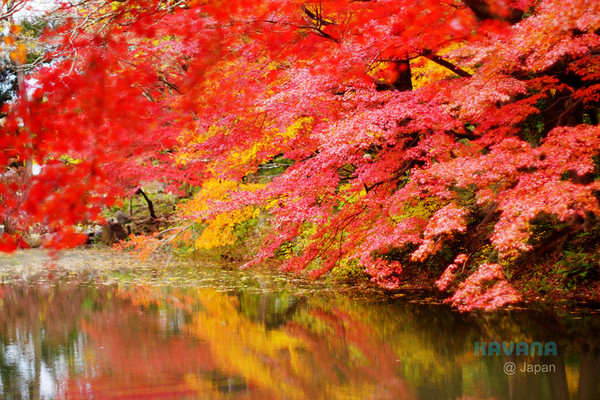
(446,64)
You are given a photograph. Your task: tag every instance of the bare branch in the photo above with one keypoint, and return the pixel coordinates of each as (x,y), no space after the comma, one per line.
(446,64)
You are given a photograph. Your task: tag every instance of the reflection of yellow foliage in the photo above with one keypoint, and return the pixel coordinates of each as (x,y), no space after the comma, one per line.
(206,387)
(242,347)
(329,350)
(295,361)
(572,380)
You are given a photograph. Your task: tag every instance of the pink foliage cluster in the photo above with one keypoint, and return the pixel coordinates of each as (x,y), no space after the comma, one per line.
(449,273)
(445,221)
(485,289)
(384,273)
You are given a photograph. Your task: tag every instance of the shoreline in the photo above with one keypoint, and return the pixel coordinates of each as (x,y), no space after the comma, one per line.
(103,262)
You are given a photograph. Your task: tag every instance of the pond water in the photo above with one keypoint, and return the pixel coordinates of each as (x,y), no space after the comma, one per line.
(193,332)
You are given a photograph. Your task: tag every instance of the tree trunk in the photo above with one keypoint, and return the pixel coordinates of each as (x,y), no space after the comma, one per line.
(403,81)
(150,205)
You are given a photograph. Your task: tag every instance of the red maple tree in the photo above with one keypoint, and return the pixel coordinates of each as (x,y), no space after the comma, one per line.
(406,124)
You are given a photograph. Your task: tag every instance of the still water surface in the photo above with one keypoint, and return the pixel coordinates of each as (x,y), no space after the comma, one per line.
(198,333)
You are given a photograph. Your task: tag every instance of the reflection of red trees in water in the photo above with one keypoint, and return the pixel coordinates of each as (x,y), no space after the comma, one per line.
(36,323)
(29,308)
(157,343)
(124,352)
(351,351)
(317,354)
(131,355)
(134,358)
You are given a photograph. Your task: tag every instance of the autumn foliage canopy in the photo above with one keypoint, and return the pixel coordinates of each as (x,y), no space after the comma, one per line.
(400,130)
